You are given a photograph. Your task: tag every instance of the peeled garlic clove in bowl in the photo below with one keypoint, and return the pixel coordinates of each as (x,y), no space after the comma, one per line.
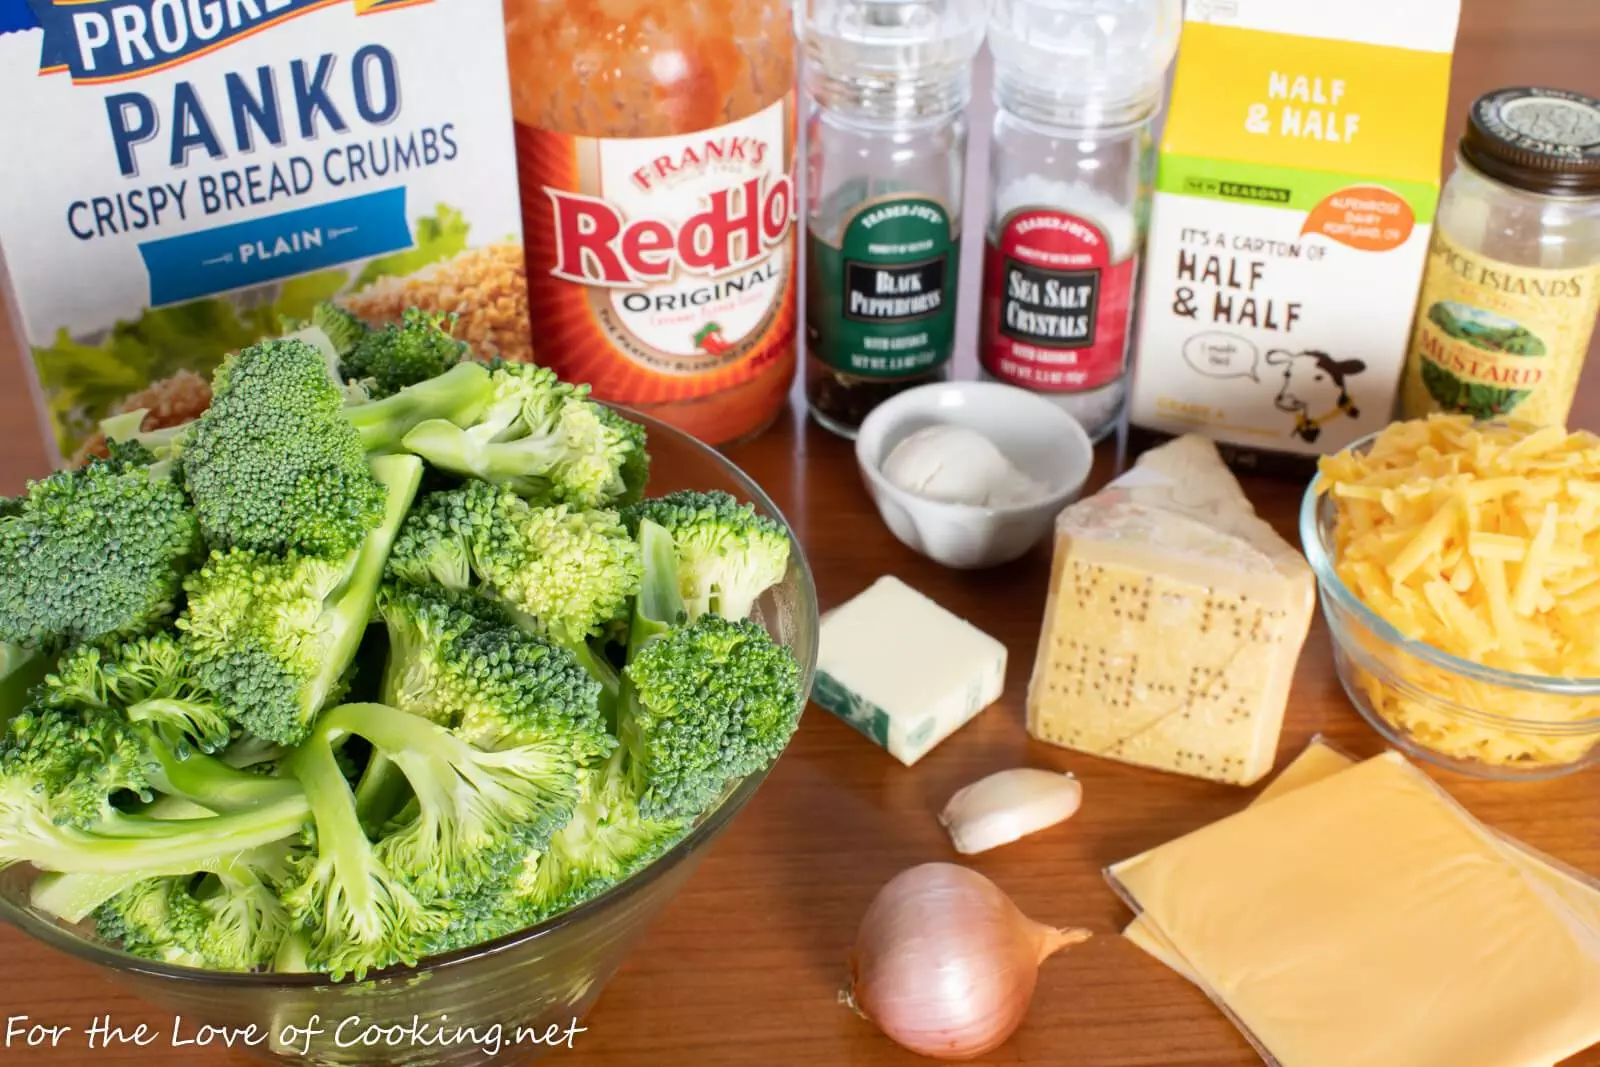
(1008,806)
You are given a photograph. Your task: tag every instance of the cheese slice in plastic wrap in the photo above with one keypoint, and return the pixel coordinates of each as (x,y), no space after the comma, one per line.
(1366,919)
(1317,762)
(1174,621)
(1320,761)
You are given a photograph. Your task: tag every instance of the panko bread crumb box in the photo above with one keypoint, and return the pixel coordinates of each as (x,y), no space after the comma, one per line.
(182,177)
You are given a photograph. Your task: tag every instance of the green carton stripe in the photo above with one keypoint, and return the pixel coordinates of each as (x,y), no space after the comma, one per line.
(1289,188)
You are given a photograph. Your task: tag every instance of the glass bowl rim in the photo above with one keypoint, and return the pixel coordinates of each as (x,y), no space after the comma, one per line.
(1319,555)
(733,801)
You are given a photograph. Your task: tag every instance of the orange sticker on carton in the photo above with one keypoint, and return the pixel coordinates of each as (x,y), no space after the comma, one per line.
(1369,218)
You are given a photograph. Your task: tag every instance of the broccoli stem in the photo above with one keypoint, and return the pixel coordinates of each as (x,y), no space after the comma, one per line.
(340,839)
(20,670)
(380,793)
(134,844)
(459,395)
(74,897)
(293,955)
(352,606)
(600,669)
(659,606)
(211,783)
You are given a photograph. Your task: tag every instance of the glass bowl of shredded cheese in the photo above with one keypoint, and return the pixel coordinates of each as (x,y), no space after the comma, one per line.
(1459,565)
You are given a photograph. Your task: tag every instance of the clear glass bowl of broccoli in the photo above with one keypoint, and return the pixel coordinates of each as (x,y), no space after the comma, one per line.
(395,755)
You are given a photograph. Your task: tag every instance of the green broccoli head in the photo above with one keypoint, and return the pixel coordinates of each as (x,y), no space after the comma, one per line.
(67,775)
(94,553)
(706,702)
(158,919)
(276,635)
(438,543)
(227,919)
(459,660)
(566,573)
(148,679)
(476,813)
(727,554)
(341,327)
(607,839)
(542,438)
(351,913)
(571,571)
(419,347)
(64,767)
(246,921)
(273,466)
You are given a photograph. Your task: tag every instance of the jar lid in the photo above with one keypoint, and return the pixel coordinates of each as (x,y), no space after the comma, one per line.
(1539,140)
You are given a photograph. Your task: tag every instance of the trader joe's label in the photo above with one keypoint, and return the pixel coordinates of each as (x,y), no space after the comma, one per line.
(881,303)
(1493,340)
(1055,304)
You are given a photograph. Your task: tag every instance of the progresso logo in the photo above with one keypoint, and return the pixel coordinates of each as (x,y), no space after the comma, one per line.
(97,41)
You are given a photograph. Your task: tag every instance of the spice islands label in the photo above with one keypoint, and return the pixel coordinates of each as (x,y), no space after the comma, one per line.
(1055,306)
(881,303)
(1493,340)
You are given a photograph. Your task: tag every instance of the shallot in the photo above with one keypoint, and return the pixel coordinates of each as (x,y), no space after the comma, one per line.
(945,962)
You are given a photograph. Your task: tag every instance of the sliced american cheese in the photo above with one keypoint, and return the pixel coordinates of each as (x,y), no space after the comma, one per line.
(1174,622)
(1319,761)
(903,670)
(1366,919)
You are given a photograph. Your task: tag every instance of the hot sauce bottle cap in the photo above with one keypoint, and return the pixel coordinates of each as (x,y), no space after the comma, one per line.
(1543,141)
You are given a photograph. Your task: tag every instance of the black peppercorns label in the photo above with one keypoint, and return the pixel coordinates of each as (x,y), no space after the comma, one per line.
(1055,305)
(881,303)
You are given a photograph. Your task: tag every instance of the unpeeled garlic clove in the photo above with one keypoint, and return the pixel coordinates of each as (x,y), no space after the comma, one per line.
(1008,806)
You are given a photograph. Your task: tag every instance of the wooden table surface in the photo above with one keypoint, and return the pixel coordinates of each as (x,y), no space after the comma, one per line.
(744,967)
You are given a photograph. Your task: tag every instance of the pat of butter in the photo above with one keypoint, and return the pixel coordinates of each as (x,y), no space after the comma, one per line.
(1365,918)
(904,671)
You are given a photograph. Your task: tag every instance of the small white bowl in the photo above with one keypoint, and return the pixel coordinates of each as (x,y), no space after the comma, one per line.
(1039,438)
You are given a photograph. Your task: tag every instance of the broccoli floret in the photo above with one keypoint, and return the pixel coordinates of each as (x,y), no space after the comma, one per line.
(93,553)
(542,438)
(727,554)
(230,919)
(273,466)
(352,913)
(703,702)
(419,347)
(246,920)
(148,679)
(479,674)
(80,758)
(607,839)
(458,660)
(278,635)
(159,919)
(477,812)
(60,772)
(342,328)
(565,573)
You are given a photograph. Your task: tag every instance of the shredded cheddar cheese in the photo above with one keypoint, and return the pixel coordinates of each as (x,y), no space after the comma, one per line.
(1482,541)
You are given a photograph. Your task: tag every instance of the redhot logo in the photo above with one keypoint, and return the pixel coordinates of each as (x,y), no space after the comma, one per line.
(739,227)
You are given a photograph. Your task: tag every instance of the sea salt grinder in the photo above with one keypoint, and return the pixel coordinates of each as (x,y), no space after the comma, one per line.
(1077,84)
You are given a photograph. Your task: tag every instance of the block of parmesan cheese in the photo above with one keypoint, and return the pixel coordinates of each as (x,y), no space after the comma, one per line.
(1174,622)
